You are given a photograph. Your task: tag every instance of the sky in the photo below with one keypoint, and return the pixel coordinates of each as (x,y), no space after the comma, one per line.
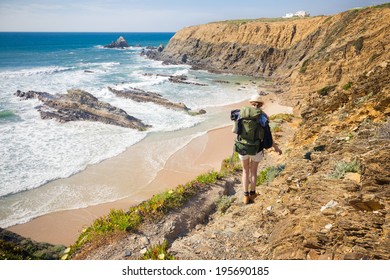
(151,15)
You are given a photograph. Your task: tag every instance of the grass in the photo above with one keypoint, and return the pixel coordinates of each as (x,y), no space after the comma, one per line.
(158,252)
(268,174)
(244,21)
(343,167)
(347,86)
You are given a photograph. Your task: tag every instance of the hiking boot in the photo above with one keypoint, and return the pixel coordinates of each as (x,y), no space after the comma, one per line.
(246,198)
(252,196)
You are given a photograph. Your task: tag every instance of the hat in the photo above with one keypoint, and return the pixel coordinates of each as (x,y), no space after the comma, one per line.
(257,99)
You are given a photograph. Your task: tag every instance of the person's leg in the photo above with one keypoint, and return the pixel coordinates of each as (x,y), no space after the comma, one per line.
(254,164)
(245,174)
(253,174)
(245,179)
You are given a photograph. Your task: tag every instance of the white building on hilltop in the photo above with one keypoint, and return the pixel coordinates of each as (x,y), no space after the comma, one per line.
(297,14)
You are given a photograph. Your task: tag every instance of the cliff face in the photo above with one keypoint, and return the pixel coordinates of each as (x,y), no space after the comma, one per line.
(302,55)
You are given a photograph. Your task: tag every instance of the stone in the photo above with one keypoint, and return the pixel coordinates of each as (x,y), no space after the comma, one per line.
(120,43)
(330,204)
(356,177)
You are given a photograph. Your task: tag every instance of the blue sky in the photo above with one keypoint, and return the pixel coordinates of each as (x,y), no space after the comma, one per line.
(151,15)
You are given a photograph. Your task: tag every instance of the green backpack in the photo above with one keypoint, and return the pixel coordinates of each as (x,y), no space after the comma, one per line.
(250,133)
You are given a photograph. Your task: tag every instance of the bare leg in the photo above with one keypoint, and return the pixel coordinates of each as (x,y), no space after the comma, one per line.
(253,168)
(245,174)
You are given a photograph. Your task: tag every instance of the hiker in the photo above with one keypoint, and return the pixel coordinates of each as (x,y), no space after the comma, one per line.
(249,159)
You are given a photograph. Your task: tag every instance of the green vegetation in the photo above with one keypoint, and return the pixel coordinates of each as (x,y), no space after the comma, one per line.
(304,66)
(358,44)
(224,203)
(158,252)
(282,117)
(343,167)
(386,5)
(326,90)
(243,21)
(347,86)
(268,174)
(363,99)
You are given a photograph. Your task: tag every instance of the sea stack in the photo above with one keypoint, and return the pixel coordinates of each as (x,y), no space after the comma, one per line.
(120,44)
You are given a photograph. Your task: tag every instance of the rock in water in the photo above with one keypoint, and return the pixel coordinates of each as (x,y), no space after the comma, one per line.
(120,44)
(140,95)
(80,105)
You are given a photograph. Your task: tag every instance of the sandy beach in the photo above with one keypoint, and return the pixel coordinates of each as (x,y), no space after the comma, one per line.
(201,154)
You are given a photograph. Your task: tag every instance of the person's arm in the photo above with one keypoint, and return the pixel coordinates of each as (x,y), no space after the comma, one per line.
(276,148)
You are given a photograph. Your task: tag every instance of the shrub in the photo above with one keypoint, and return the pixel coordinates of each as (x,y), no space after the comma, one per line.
(268,174)
(158,252)
(224,203)
(343,167)
(281,117)
(326,90)
(358,44)
(347,86)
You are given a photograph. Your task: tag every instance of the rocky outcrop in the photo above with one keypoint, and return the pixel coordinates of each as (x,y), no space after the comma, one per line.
(120,43)
(16,247)
(152,52)
(179,79)
(300,55)
(78,105)
(140,95)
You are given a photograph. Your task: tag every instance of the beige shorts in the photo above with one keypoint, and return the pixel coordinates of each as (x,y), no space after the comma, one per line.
(257,157)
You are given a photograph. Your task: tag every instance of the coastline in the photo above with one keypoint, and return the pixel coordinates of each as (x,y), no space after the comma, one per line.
(202,154)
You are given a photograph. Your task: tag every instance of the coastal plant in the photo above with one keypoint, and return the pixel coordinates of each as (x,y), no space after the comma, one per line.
(347,86)
(304,66)
(224,202)
(358,44)
(281,117)
(326,90)
(268,174)
(231,165)
(343,167)
(208,178)
(158,252)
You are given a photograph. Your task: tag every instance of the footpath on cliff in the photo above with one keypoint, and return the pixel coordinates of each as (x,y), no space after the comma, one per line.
(215,224)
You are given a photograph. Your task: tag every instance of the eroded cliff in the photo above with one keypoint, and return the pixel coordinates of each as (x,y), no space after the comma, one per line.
(301,55)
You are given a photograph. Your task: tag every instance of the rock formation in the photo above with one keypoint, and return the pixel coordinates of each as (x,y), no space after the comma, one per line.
(120,43)
(140,95)
(180,79)
(79,105)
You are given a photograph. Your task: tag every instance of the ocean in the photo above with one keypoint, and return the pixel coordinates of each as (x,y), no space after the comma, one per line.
(35,151)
